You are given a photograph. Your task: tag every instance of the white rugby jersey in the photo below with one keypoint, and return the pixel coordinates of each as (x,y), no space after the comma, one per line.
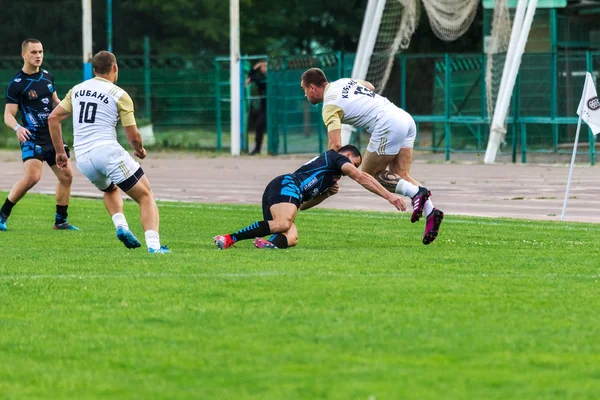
(96,105)
(348,101)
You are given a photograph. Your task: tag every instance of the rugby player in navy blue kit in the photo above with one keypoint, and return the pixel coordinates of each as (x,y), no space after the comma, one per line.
(32,92)
(308,186)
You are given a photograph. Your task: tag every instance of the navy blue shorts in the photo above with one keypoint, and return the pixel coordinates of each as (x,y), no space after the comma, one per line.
(30,150)
(283,189)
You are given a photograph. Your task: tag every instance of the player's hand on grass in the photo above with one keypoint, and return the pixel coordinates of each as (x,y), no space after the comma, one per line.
(62,160)
(397,202)
(23,134)
(140,154)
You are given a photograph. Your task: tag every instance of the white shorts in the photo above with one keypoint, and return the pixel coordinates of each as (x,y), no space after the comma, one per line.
(395,129)
(109,164)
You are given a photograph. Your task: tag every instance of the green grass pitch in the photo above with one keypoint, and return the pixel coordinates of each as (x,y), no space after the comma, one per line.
(494,309)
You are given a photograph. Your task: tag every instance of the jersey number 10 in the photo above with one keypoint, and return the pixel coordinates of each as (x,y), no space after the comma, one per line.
(87,112)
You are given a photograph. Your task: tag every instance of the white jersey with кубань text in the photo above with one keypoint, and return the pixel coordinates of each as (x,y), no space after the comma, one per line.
(96,106)
(349,101)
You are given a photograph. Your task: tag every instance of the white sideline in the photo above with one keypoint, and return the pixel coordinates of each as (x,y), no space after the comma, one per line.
(293,274)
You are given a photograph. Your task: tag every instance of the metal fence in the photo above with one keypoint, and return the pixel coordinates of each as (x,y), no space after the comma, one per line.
(175,95)
(452,113)
(186,100)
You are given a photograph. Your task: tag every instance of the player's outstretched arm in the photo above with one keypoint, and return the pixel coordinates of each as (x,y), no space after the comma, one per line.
(369,183)
(135,140)
(55,119)
(313,202)
(319,199)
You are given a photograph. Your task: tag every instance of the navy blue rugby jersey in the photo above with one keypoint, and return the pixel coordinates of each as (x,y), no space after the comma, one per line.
(33,94)
(319,174)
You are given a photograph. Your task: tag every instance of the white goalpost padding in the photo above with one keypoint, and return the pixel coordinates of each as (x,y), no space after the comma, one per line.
(518,39)
(86,19)
(234,75)
(368,36)
(366,44)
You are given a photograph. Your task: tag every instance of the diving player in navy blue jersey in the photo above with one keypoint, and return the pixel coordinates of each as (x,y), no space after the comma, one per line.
(32,92)
(308,186)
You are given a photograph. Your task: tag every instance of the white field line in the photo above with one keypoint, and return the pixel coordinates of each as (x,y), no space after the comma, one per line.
(260,274)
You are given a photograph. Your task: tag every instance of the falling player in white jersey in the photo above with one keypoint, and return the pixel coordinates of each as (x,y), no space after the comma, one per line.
(96,105)
(388,157)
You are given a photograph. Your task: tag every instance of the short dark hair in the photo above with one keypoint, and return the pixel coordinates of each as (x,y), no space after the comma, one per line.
(314,76)
(352,150)
(27,41)
(103,62)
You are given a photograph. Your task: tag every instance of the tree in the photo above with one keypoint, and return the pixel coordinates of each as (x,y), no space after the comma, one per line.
(201,27)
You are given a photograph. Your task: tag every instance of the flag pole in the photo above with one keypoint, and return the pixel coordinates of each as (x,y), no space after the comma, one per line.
(564,209)
(562,217)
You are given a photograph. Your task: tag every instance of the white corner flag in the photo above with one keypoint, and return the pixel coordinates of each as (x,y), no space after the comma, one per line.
(588,111)
(589,105)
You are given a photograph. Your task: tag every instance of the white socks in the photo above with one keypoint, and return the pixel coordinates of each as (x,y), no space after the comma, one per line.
(406,188)
(120,221)
(152,240)
(428,208)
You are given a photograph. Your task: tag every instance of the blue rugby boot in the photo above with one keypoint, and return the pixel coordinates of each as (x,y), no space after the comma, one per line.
(3,219)
(65,226)
(128,238)
(61,224)
(160,250)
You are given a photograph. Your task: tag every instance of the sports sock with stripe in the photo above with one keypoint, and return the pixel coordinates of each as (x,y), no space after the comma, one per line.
(254,230)
(61,214)
(279,240)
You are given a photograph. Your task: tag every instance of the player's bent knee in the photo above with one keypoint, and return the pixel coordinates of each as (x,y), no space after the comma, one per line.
(31,180)
(292,240)
(141,197)
(288,225)
(281,225)
(66,178)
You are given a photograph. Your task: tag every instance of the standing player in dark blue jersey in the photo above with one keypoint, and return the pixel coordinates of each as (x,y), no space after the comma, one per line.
(32,92)
(308,186)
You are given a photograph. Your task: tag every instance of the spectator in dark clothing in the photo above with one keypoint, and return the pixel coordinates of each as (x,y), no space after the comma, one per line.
(258,75)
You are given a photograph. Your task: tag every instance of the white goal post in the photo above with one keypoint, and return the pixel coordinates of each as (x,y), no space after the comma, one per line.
(366,44)
(234,75)
(518,39)
(388,27)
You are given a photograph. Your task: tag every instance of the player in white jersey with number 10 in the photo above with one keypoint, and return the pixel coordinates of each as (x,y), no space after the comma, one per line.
(96,105)
(393,131)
